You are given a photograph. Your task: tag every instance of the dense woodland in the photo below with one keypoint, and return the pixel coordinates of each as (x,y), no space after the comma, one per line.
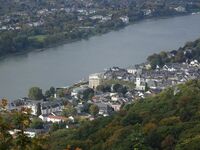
(167,121)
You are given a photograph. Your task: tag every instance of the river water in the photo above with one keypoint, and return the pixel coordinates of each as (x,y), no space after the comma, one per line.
(66,64)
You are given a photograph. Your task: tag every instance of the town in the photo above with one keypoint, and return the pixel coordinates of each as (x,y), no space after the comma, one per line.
(102,95)
(84,10)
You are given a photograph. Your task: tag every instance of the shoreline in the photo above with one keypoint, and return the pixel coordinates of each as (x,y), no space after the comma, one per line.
(64,42)
(46,52)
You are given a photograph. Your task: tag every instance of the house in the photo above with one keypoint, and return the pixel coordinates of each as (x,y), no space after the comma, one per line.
(124,19)
(29,132)
(180,9)
(56,119)
(15,104)
(134,70)
(116,106)
(43,117)
(104,109)
(147,12)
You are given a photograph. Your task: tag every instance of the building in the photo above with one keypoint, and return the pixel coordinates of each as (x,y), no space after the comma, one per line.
(56,119)
(125,19)
(134,70)
(104,109)
(140,83)
(76,92)
(95,80)
(180,9)
(47,107)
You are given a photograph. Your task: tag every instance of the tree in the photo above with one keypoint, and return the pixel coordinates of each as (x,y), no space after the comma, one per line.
(39,112)
(155,60)
(88,94)
(48,93)
(131,118)
(119,88)
(60,93)
(19,120)
(146,87)
(52,90)
(168,143)
(94,110)
(69,111)
(36,123)
(153,139)
(103,88)
(35,93)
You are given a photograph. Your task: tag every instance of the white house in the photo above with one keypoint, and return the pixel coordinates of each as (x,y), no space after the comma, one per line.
(125,19)
(56,119)
(180,9)
(134,70)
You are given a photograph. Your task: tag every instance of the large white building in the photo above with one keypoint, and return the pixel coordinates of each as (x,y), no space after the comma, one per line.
(95,80)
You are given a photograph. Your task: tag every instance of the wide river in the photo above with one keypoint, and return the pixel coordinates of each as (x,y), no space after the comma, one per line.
(69,63)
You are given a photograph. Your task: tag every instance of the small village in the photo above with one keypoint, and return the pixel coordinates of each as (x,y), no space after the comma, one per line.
(81,12)
(107,92)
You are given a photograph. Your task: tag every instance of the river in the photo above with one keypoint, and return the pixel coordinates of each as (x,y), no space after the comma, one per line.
(66,64)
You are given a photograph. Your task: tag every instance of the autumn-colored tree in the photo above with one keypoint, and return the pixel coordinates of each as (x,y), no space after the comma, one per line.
(16,121)
(149,127)
(168,143)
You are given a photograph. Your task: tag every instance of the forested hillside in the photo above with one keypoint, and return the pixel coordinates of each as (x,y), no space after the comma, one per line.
(170,120)
(189,52)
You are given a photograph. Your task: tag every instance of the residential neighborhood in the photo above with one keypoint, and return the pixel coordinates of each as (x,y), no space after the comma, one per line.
(109,91)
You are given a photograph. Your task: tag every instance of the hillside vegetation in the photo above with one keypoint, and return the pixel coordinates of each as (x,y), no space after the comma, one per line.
(190,51)
(169,120)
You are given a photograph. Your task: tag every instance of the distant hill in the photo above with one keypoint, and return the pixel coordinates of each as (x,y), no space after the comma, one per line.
(169,120)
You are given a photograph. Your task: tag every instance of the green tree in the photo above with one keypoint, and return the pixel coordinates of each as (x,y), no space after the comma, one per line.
(36,123)
(48,93)
(60,93)
(103,88)
(35,93)
(69,111)
(20,120)
(119,88)
(88,94)
(168,143)
(52,90)
(94,110)
(39,112)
